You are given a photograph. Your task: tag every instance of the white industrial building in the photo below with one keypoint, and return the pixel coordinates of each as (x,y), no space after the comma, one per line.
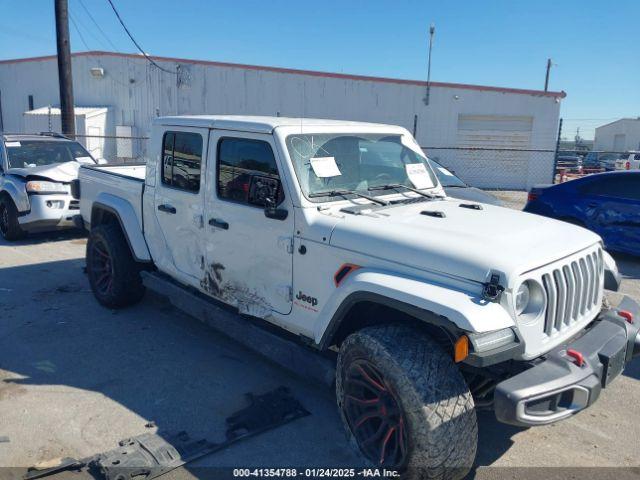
(134,91)
(619,136)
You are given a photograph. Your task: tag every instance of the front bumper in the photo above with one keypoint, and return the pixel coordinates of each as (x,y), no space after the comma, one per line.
(558,386)
(49,212)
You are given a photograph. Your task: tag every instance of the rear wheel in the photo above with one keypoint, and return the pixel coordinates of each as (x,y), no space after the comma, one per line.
(113,273)
(405,404)
(9,225)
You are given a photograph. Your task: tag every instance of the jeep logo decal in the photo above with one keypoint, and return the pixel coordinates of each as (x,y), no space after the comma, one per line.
(313,301)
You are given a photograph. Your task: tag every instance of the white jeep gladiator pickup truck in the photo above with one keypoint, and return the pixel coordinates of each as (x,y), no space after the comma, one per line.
(340,234)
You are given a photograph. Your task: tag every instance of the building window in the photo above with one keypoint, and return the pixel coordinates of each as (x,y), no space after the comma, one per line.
(182,160)
(247,172)
(30,102)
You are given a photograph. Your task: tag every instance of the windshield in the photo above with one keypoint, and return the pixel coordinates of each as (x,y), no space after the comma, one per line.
(36,153)
(446,178)
(356,162)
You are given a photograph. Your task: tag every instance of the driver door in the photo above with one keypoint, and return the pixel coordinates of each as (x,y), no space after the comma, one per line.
(248,248)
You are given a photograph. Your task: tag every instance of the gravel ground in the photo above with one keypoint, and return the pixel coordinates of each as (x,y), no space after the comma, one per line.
(76,378)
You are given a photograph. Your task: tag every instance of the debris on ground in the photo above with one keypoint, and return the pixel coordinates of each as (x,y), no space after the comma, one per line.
(50,467)
(150,455)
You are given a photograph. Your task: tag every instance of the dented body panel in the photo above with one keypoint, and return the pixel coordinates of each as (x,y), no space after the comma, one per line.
(608,204)
(47,210)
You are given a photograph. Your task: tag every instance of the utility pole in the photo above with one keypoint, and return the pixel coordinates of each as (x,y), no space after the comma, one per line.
(546,78)
(64,68)
(432,30)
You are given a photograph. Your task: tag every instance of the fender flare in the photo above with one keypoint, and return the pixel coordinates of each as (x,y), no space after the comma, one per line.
(432,303)
(20,198)
(128,221)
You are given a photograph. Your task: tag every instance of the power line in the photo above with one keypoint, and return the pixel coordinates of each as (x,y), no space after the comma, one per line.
(136,43)
(98,26)
(76,23)
(97,60)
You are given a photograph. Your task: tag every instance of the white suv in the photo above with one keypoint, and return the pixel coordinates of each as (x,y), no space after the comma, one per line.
(629,162)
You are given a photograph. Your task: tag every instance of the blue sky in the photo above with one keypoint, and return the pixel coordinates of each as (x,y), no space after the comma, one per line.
(505,43)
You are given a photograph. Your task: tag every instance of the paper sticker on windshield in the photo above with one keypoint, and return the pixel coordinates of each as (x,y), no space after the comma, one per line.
(88,160)
(12,144)
(418,175)
(325,167)
(445,171)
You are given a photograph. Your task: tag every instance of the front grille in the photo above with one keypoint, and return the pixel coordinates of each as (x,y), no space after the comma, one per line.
(573,292)
(74,205)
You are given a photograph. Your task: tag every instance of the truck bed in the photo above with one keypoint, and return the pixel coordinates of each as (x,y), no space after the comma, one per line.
(103,183)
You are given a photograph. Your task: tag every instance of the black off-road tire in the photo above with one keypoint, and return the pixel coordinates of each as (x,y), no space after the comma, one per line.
(9,225)
(436,408)
(113,273)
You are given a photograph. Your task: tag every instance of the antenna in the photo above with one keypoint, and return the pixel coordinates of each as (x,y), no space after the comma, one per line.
(432,31)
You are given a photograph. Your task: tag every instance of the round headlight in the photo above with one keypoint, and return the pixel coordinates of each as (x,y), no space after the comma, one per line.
(529,301)
(523,295)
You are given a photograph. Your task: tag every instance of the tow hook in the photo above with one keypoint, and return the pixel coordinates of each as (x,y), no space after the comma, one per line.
(492,289)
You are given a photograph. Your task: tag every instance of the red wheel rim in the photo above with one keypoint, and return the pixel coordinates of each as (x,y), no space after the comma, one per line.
(101,268)
(375,415)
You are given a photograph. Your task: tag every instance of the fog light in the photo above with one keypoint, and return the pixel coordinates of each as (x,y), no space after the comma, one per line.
(488,341)
(55,203)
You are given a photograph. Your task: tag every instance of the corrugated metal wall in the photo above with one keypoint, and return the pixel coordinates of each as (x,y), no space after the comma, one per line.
(137,91)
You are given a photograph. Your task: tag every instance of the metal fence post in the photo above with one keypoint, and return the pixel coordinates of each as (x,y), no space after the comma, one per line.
(555,158)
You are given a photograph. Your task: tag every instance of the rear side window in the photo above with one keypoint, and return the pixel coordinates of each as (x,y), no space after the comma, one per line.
(182,160)
(619,186)
(246,166)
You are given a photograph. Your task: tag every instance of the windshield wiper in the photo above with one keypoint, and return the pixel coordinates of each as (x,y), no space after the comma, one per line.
(395,186)
(344,193)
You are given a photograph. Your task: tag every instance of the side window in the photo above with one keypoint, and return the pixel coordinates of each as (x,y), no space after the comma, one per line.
(247,172)
(627,186)
(182,160)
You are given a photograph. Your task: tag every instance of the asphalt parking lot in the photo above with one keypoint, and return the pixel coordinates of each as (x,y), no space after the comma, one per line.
(76,378)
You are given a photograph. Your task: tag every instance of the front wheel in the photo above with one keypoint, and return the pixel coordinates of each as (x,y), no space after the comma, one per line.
(113,273)
(9,225)
(405,404)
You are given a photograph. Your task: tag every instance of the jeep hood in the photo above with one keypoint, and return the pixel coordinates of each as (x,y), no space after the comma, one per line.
(463,242)
(58,172)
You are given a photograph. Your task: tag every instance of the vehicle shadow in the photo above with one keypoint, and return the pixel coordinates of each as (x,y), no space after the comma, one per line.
(46,237)
(148,363)
(494,439)
(629,267)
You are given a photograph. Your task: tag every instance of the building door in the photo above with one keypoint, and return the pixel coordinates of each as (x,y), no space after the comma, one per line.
(94,141)
(619,140)
(490,151)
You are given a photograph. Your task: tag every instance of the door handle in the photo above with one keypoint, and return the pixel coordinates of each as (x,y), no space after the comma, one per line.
(216,222)
(592,205)
(167,208)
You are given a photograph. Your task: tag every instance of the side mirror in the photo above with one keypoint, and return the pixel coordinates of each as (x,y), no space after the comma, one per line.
(271,211)
(264,192)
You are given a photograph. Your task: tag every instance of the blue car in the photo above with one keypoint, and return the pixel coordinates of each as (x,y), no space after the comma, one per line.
(605,203)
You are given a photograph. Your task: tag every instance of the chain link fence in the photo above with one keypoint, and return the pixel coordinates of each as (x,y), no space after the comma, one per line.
(507,172)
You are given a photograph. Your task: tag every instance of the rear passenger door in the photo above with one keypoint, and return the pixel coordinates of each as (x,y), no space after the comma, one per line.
(612,207)
(248,249)
(179,203)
